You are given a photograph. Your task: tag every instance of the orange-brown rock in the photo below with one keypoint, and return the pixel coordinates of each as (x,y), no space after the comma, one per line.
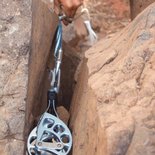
(113,108)
(139,5)
(15,24)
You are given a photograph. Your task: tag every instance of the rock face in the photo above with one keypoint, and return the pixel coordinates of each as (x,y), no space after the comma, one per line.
(15,31)
(113,108)
(15,21)
(139,5)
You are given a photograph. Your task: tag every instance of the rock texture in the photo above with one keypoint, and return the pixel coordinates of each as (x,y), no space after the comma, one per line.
(113,108)
(139,5)
(15,31)
(14,48)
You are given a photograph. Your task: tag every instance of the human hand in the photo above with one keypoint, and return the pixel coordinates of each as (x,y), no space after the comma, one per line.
(69,7)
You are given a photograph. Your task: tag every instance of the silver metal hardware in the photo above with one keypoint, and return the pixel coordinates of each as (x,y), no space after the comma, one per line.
(51,136)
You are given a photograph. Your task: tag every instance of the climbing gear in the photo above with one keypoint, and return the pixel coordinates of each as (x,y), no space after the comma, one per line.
(51,136)
(91,33)
(92,36)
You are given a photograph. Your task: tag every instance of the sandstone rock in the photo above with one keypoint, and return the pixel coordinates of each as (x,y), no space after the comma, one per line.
(138,5)
(15,23)
(15,30)
(112,110)
(63,114)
